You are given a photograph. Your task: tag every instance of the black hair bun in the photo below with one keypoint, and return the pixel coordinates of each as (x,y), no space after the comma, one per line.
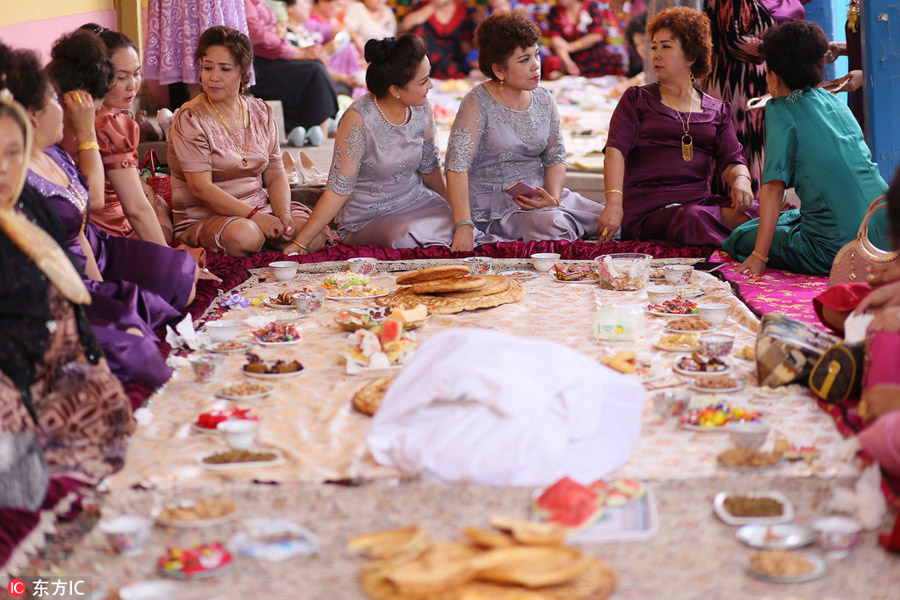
(377,51)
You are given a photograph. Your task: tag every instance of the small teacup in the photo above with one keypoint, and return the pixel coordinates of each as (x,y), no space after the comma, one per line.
(364,265)
(678,274)
(284,270)
(221,331)
(837,535)
(479,265)
(127,533)
(716,344)
(206,366)
(542,261)
(308,302)
(657,294)
(748,434)
(239,434)
(714,314)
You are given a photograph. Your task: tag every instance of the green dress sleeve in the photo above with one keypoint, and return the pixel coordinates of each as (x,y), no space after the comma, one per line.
(781,143)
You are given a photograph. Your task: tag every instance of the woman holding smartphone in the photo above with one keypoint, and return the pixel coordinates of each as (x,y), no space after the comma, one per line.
(507,130)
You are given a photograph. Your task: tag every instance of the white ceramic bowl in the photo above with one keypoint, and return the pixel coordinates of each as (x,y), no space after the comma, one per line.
(678,274)
(308,302)
(221,331)
(127,533)
(542,261)
(716,344)
(284,270)
(837,535)
(206,365)
(748,434)
(364,265)
(714,314)
(240,434)
(660,293)
(480,265)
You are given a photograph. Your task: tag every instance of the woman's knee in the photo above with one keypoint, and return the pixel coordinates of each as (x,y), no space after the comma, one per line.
(242,237)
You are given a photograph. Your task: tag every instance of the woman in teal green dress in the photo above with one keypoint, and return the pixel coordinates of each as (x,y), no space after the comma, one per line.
(812,141)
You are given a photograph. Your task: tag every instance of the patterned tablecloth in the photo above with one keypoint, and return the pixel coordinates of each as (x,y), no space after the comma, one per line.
(310,419)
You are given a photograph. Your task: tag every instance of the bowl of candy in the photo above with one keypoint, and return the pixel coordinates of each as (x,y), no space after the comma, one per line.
(624,272)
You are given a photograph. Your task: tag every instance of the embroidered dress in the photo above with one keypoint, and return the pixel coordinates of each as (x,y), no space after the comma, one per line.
(497,147)
(665,197)
(378,166)
(604,58)
(813,141)
(445,42)
(738,74)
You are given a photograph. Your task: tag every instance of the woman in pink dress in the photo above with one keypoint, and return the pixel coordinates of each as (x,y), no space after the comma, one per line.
(223,147)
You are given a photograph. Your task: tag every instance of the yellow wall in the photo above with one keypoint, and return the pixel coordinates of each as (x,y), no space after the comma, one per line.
(13,12)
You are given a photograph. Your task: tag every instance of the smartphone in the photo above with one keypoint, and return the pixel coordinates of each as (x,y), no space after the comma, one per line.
(520,188)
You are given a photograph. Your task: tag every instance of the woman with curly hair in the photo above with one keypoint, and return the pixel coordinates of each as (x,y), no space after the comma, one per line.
(507,130)
(813,141)
(663,139)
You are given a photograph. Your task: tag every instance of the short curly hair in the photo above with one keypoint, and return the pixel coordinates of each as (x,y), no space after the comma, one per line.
(692,30)
(79,61)
(795,51)
(237,44)
(498,36)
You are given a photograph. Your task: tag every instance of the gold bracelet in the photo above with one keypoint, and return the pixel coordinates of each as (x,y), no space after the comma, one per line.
(299,245)
(759,256)
(555,199)
(614,192)
(88,146)
(743,175)
(283,212)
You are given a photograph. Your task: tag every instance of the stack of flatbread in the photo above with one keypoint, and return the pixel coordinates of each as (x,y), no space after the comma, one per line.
(519,560)
(450,289)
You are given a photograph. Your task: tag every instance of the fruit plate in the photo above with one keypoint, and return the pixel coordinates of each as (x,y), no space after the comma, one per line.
(636,520)
(786,516)
(690,373)
(741,384)
(287,375)
(277,461)
(787,536)
(520,275)
(820,567)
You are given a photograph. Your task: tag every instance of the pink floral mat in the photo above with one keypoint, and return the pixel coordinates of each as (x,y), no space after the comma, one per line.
(775,291)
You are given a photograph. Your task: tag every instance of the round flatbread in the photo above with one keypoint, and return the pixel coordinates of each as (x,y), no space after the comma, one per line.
(495,284)
(453,284)
(440,305)
(368,398)
(432,273)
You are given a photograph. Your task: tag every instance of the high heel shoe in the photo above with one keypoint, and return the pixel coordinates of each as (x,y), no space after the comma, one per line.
(164,119)
(315,136)
(297,136)
(294,176)
(309,172)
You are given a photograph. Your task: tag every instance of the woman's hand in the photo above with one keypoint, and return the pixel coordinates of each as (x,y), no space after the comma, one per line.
(463,239)
(571,68)
(533,203)
(752,265)
(887,319)
(610,221)
(207,275)
(79,110)
(835,49)
(741,194)
(269,224)
(288,227)
(881,297)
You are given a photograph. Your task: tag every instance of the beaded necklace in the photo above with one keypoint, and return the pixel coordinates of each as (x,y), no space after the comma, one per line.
(73,194)
(408,114)
(230,134)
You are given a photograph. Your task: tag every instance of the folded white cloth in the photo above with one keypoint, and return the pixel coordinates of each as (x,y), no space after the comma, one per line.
(495,409)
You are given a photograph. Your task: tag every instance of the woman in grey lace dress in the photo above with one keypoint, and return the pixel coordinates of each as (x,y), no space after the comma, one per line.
(507,130)
(385,186)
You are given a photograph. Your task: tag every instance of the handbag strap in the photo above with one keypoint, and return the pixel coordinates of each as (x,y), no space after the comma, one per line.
(870,250)
(152,158)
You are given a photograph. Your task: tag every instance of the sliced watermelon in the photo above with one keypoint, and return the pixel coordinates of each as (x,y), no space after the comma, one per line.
(391,331)
(616,498)
(578,515)
(600,488)
(561,495)
(632,488)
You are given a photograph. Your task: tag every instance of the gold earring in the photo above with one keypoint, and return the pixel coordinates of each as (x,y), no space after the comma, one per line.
(691,75)
(501,85)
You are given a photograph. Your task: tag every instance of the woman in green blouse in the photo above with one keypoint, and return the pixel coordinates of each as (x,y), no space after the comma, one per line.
(814,143)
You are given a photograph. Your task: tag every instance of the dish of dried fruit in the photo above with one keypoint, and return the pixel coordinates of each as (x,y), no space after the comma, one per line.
(230,347)
(747,459)
(237,459)
(679,342)
(257,367)
(781,566)
(746,508)
(693,325)
(283,300)
(203,512)
(700,364)
(717,384)
(573,274)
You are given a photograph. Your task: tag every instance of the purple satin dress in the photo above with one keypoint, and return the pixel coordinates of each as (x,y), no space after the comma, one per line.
(142,285)
(666,197)
(785,10)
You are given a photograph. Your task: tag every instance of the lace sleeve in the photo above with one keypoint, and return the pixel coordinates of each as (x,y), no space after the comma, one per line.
(431,157)
(349,147)
(465,136)
(555,152)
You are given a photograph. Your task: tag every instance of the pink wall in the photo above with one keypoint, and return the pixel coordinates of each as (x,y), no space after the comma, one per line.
(40,35)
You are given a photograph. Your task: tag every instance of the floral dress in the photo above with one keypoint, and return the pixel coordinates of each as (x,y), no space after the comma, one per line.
(605,58)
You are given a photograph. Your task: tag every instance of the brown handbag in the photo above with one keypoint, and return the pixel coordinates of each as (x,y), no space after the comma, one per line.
(860,260)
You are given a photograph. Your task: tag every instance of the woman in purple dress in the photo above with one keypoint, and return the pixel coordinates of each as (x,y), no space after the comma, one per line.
(662,141)
(135,285)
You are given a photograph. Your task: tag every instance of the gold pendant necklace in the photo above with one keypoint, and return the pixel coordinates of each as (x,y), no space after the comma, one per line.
(230,133)
(687,142)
